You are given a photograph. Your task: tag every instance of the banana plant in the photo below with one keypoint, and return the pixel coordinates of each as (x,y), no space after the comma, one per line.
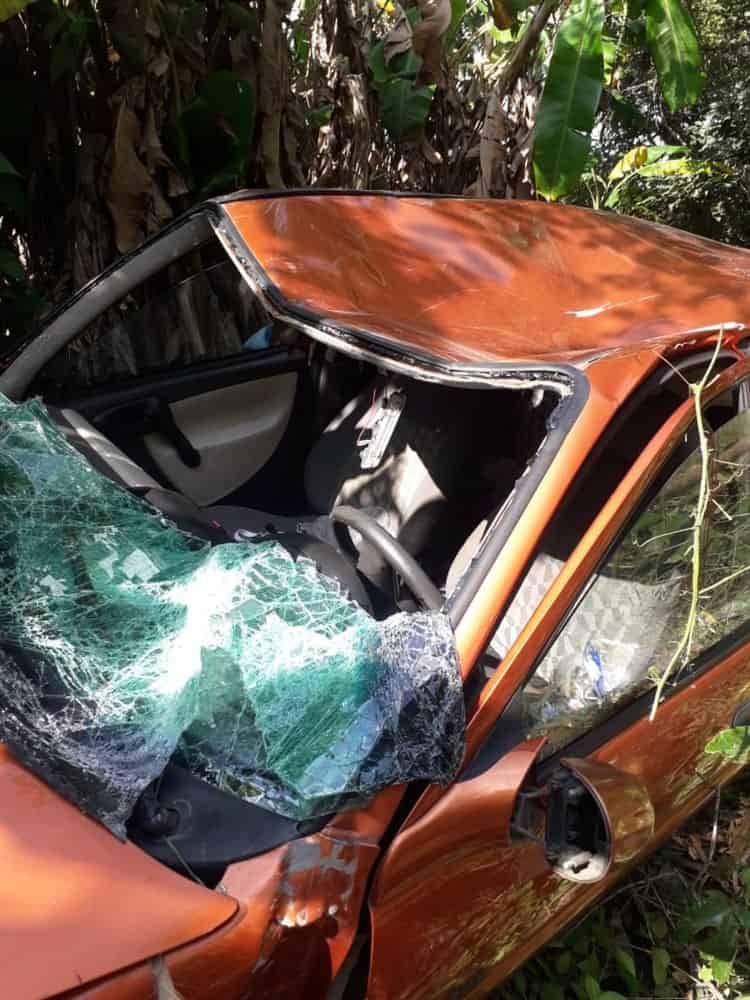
(9,8)
(576,74)
(569,100)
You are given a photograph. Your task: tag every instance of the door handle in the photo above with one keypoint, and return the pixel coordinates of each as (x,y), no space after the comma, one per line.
(165,424)
(148,416)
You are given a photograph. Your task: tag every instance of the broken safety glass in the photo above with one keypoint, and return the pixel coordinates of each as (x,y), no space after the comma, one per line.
(125,642)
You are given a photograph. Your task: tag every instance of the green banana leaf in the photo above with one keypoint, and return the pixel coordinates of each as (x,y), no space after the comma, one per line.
(675,51)
(9,8)
(569,100)
(211,138)
(640,156)
(403,106)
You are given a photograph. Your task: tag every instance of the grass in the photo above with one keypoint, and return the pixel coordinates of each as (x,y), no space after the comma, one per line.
(679,927)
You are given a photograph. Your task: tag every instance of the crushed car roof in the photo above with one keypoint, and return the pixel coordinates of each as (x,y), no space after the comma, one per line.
(470,281)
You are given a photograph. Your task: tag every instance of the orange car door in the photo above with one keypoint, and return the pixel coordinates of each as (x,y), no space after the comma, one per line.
(575,781)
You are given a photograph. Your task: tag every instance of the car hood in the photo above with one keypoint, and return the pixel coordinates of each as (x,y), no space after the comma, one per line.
(76,903)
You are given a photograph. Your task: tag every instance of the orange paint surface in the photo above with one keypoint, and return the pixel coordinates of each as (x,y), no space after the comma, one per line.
(75,903)
(472,281)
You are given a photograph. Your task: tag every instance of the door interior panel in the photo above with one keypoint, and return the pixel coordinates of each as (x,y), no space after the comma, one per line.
(206,429)
(234,430)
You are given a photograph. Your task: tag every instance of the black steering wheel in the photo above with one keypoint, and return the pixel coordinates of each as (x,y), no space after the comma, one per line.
(401,561)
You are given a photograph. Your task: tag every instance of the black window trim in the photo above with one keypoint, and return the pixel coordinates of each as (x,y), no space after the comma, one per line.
(94,298)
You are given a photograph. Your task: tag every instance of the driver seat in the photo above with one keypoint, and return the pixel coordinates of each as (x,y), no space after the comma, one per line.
(408,490)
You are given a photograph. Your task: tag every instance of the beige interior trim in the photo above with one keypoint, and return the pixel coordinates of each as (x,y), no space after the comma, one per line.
(235,429)
(123,468)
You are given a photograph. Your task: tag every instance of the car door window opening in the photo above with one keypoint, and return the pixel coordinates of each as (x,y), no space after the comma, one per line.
(631,616)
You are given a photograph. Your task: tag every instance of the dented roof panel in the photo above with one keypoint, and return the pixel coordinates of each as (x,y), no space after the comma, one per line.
(470,281)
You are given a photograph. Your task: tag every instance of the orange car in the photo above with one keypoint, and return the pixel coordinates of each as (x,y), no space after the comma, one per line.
(532,420)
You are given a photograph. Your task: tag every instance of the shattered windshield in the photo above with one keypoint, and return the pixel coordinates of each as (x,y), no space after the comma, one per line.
(125,641)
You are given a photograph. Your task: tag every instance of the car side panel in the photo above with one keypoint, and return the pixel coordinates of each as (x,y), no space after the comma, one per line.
(458,924)
(477,914)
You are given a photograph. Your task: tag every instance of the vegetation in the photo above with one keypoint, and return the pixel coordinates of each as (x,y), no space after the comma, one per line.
(679,928)
(118,116)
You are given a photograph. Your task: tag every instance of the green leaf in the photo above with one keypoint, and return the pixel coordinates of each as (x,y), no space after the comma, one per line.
(242,18)
(6,167)
(404,107)
(660,962)
(592,987)
(9,8)
(721,970)
(710,912)
(68,50)
(634,9)
(10,265)
(674,48)
(569,100)
(609,56)
(611,995)
(12,195)
(732,743)
(378,67)
(563,963)
(458,9)
(212,138)
(590,965)
(552,991)
(722,944)
(705,973)
(402,64)
(632,160)
(626,968)
(642,156)
(317,117)
(672,168)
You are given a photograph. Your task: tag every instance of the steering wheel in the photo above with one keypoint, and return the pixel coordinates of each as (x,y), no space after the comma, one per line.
(401,561)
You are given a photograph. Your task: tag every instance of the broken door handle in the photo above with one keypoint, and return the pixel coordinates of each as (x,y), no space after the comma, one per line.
(163,422)
(147,416)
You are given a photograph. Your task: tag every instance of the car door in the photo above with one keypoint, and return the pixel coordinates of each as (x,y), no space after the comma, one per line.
(185,372)
(576,781)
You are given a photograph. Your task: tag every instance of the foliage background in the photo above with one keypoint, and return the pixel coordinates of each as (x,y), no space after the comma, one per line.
(119,115)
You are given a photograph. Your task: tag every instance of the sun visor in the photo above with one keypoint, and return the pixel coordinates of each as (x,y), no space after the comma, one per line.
(125,642)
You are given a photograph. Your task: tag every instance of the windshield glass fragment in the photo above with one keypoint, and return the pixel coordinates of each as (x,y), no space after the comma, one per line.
(125,642)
